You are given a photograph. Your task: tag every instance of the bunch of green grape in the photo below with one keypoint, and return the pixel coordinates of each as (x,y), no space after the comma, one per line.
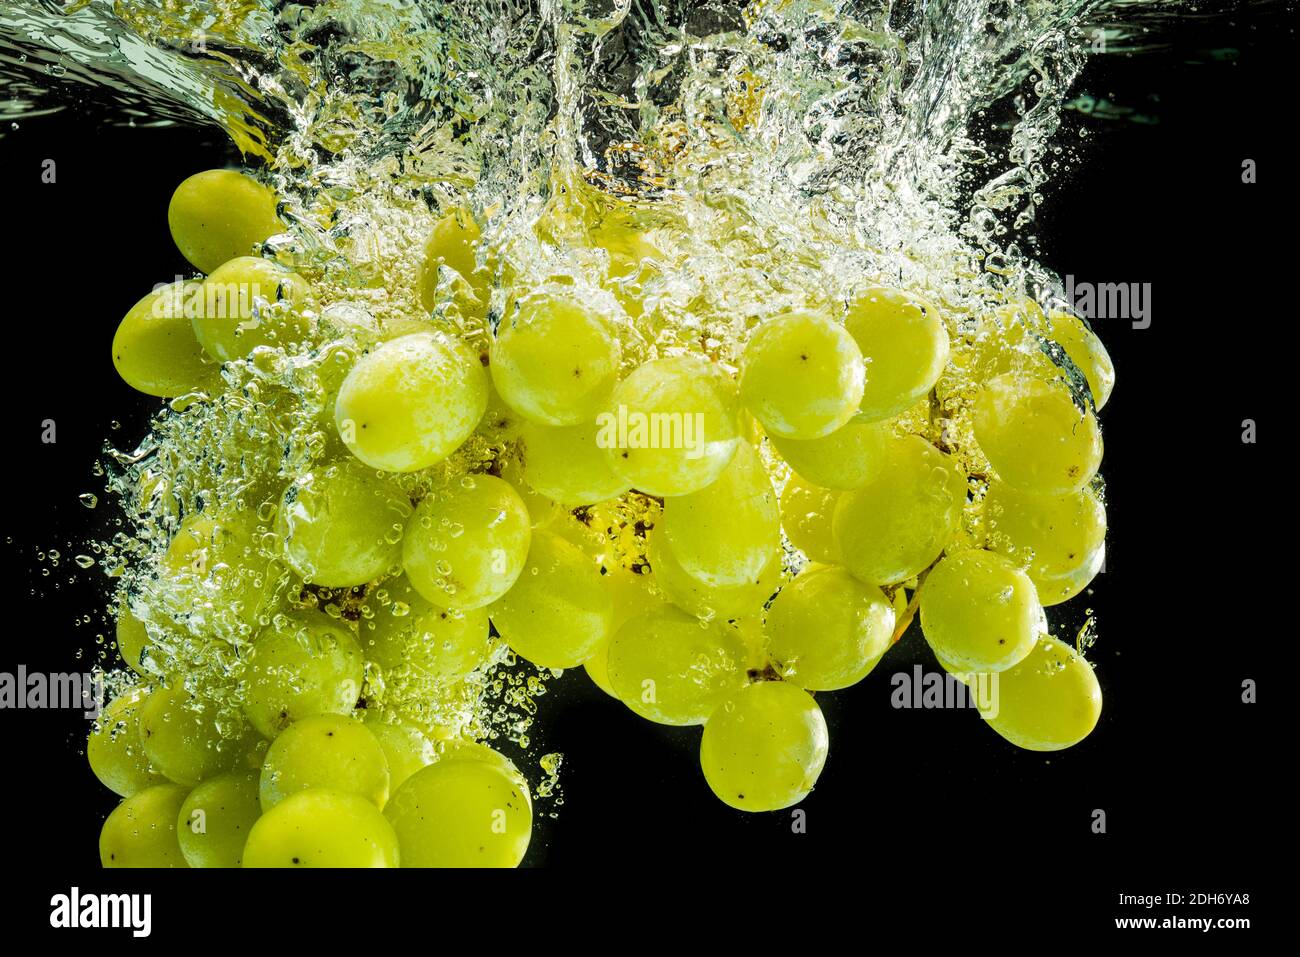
(523,474)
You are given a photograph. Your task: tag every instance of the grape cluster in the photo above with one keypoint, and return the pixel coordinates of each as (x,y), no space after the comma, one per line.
(713,542)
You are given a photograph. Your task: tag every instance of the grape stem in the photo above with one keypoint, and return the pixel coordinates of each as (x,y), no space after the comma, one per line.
(909,612)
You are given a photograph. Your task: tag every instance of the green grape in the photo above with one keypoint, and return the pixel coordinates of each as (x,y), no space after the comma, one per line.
(461,813)
(217,560)
(405,747)
(848,458)
(560,610)
(325,751)
(216,818)
(141,831)
(1086,351)
(565,464)
(896,525)
(411,402)
(342,525)
(409,631)
(463,749)
(299,667)
(632,596)
(979,612)
(806,513)
(705,601)
(246,303)
(114,750)
(724,535)
(1050,536)
(631,262)
(154,348)
(826,630)
(466,543)
(500,423)
(764,747)
(672,425)
(188,739)
(555,361)
(1034,435)
(133,642)
(452,243)
(671,668)
(597,668)
(1049,701)
(802,375)
(219,214)
(905,344)
(542,511)
(322,828)
(1053,591)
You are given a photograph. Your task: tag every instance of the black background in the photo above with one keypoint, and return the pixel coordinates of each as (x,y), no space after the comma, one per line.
(910,801)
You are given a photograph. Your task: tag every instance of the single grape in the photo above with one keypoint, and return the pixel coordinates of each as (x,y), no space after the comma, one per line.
(461,813)
(219,214)
(806,513)
(671,668)
(409,631)
(826,630)
(141,831)
(411,402)
(188,739)
(1034,435)
(905,344)
(567,466)
(133,642)
(464,749)
(848,458)
(979,612)
(1086,351)
(325,751)
(560,609)
(672,426)
(632,595)
(322,828)
(500,423)
(299,667)
(632,262)
(342,525)
(1054,591)
(802,375)
(706,601)
(1050,536)
(466,543)
(555,361)
(764,747)
(453,242)
(896,525)
(1049,701)
(216,818)
(405,746)
(216,560)
(155,350)
(114,750)
(542,511)
(723,535)
(246,303)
